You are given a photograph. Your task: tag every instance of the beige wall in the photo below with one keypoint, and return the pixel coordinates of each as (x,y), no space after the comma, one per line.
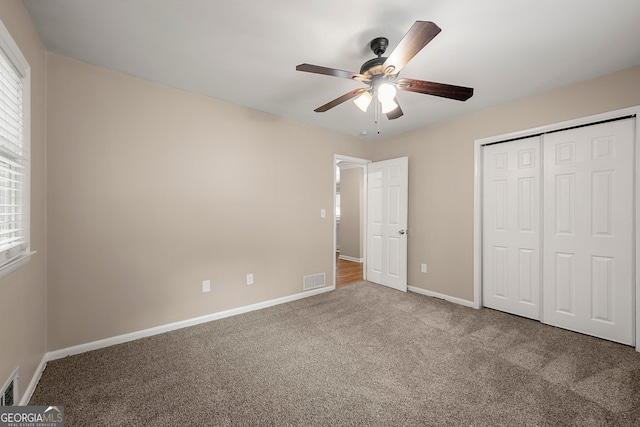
(441,171)
(152,190)
(23,292)
(351,198)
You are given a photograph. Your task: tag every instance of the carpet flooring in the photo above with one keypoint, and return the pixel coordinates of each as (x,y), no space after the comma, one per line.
(360,355)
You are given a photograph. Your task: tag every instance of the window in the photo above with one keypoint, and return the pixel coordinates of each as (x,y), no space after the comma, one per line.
(14,154)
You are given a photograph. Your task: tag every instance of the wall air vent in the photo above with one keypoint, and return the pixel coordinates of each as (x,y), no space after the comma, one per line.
(313,281)
(10,390)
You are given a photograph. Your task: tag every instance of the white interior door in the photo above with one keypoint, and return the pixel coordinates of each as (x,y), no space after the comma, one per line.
(387,200)
(511,227)
(588,237)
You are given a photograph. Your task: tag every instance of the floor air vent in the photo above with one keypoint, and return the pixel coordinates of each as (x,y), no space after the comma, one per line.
(10,390)
(313,281)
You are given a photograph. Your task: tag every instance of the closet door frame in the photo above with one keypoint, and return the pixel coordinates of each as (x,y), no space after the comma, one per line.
(477,214)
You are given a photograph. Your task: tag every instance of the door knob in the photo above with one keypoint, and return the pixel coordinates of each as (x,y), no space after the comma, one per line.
(402,231)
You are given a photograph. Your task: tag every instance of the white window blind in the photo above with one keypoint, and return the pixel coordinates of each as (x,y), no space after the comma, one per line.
(14,164)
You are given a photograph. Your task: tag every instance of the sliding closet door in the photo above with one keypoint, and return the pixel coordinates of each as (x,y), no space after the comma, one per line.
(588,230)
(511,227)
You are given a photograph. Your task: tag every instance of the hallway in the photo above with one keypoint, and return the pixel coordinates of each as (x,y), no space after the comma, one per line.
(347,272)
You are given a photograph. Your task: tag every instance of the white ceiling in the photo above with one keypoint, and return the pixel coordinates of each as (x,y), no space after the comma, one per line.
(246,51)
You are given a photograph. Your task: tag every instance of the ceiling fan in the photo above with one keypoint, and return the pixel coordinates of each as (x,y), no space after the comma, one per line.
(381,74)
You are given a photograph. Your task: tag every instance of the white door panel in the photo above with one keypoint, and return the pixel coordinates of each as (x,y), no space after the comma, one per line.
(387,199)
(588,238)
(511,227)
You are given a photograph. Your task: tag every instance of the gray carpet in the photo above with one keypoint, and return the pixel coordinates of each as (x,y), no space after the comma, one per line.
(361,355)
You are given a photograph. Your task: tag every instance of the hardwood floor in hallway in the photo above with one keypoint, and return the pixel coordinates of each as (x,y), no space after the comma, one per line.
(347,272)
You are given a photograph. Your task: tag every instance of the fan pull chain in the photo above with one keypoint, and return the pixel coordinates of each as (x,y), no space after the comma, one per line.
(377,115)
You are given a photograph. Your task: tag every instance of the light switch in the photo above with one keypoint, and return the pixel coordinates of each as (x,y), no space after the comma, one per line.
(323,213)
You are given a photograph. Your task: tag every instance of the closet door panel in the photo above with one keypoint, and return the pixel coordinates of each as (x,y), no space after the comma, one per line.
(511,227)
(588,230)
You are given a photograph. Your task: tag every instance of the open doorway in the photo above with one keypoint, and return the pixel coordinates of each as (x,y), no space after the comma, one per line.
(349,220)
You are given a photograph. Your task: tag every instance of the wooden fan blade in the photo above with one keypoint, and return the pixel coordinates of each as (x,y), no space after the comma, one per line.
(459,93)
(418,36)
(316,69)
(394,114)
(339,100)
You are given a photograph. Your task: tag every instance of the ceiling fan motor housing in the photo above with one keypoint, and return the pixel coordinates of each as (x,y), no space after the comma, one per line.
(379,45)
(373,67)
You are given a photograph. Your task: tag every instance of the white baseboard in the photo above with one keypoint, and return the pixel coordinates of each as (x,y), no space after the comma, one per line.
(349,258)
(26,396)
(449,298)
(94,345)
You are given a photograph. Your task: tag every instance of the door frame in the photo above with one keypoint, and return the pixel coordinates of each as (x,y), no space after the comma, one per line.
(477,195)
(363,163)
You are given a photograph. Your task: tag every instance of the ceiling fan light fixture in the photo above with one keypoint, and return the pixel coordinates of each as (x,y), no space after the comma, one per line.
(386,92)
(388,105)
(363,101)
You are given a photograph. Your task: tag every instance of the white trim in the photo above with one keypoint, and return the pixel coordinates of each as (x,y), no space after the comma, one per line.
(449,298)
(16,264)
(350,258)
(350,166)
(35,379)
(13,52)
(636,226)
(477,225)
(477,196)
(349,159)
(119,339)
(362,163)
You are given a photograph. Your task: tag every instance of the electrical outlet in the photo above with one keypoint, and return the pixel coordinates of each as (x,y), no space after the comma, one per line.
(250,279)
(423,268)
(206,286)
